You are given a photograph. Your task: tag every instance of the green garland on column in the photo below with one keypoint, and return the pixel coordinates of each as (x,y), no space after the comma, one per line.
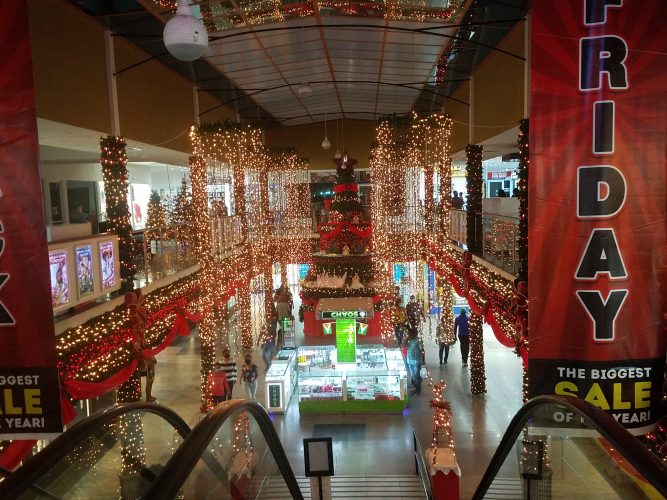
(114,173)
(474,188)
(522,186)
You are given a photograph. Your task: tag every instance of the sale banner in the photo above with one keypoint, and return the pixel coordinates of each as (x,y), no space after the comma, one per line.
(30,401)
(597,255)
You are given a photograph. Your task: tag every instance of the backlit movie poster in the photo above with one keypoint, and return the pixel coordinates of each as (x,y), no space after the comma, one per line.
(597,260)
(84,270)
(59,279)
(107,262)
(30,406)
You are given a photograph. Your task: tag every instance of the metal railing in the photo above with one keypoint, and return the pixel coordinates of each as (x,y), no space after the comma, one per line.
(421,469)
(496,233)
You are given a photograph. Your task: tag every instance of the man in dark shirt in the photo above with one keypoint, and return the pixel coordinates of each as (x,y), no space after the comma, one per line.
(457,201)
(415,313)
(461,328)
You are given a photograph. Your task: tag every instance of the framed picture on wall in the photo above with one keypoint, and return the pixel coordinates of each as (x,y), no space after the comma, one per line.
(59,278)
(107,264)
(84,270)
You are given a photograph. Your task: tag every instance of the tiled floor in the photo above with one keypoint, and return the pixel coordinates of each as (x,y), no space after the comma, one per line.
(387,446)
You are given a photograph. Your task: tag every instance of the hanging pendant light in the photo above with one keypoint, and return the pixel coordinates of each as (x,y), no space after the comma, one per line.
(337,156)
(326,143)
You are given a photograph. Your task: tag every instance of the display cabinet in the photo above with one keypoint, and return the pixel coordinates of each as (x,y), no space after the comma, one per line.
(374,385)
(280,381)
(395,362)
(321,387)
(316,358)
(367,388)
(371,357)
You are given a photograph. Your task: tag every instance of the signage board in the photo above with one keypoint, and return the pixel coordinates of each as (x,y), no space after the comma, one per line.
(275,399)
(346,340)
(356,314)
(597,206)
(30,406)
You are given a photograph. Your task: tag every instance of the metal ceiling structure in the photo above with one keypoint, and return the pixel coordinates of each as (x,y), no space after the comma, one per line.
(361,59)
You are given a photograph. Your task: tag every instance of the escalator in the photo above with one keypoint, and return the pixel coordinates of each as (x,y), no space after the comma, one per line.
(144,450)
(147,451)
(563,447)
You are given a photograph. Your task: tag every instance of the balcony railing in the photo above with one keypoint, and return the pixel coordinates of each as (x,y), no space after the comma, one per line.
(165,250)
(497,234)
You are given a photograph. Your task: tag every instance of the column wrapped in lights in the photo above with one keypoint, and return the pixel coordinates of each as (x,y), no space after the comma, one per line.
(474,206)
(199,209)
(114,173)
(522,186)
(477,371)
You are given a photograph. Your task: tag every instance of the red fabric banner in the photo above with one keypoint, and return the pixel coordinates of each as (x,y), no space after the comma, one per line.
(341,188)
(28,374)
(597,260)
(339,226)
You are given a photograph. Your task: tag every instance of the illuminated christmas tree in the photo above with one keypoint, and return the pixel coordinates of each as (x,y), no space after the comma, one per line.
(157,214)
(345,235)
(181,213)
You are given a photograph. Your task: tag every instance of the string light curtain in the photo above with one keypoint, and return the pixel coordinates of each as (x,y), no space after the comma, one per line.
(114,173)
(474,185)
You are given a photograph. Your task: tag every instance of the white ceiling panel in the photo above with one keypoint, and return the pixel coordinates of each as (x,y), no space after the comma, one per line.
(345,58)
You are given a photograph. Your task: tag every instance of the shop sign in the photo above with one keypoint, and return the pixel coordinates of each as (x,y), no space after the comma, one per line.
(346,341)
(597,206)
(357,314)
(327,328)
(274,396)
(30,404)
(499,175)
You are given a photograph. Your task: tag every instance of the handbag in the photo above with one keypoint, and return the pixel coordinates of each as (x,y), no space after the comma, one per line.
(423,372)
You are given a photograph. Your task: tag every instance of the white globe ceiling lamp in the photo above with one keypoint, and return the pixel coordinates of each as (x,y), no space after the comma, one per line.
(184,35)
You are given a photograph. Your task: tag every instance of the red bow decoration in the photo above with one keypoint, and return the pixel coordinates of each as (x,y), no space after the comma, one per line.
(136,309)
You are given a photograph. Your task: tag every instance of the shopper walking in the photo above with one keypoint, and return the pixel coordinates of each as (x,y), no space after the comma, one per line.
(229,367)
(461,328)
(445,338)
(249,374)
(415,313)
(218,386)
(414,357)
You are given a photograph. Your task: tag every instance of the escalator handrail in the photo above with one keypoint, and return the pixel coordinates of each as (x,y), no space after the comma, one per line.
(29,473)
(629,446)
(183,461)
(422,468)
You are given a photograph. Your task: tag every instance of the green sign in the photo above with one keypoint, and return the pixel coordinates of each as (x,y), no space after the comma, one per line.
(346,340)
(362,328)
(274,395)
(326,328)
(359,314)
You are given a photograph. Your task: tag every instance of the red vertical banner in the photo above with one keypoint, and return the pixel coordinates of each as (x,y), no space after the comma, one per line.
(30,402)
(597,222)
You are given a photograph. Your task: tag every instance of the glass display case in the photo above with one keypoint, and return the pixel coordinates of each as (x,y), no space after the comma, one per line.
(316,358)
(377,384)
(321,387)
(374,385)
(371,357)
(280,380)
(395,362)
